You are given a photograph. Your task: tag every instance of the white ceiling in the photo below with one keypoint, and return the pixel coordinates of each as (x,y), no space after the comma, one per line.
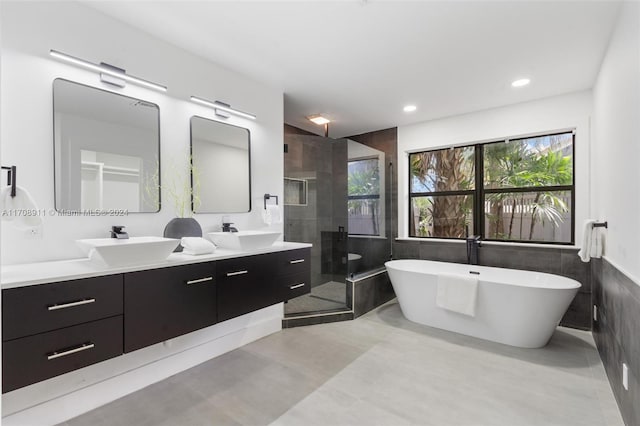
(360,62)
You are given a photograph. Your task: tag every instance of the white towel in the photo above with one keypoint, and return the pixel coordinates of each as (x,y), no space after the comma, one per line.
(272,214)
(457,293)
(16,209)
(196,246)
(591,241)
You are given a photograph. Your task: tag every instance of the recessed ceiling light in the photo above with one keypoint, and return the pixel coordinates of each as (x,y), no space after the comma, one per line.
(521,82)
(319,119)
(409,108)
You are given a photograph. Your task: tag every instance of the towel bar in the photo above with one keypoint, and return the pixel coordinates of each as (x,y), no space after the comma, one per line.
(601,225)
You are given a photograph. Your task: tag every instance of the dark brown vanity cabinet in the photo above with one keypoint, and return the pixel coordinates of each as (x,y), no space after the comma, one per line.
(55,328)
(51,329)
(246,284)
(161,304)
(294,273)
(250,283)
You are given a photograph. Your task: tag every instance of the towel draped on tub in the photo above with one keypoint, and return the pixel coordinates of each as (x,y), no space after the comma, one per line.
(457,293)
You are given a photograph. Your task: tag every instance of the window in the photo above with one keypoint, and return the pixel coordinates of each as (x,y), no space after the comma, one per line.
(511,190)
(364,196)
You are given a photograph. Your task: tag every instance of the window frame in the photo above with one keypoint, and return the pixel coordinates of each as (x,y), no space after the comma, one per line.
(479,191)
(367,197)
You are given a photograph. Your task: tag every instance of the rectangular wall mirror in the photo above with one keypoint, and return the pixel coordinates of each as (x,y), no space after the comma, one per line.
(106,150)
(221,167)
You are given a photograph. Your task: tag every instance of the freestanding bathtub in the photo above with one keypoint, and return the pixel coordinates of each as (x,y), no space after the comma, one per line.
(514,307)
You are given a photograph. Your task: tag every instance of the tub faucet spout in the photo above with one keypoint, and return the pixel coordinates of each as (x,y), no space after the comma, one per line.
(473,244)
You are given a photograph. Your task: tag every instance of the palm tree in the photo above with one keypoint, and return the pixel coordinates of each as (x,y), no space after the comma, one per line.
(549,169)
(445,170)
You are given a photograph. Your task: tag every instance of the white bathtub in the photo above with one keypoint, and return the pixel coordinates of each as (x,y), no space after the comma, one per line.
(518,308)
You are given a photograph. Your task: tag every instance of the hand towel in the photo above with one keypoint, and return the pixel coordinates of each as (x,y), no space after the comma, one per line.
(586,252)
(16,209)
(272,214)
(196,246)
(596,243)
(457,293)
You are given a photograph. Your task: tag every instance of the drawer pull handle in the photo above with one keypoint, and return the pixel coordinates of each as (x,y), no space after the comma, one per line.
(200,280)
(296,261)
(231,274)
(80,348)
(293,287)
(70,305)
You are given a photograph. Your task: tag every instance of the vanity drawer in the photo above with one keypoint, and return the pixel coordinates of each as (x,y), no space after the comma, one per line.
(161,304)
(295,285)
(31,359)
(45,307)
(294,261)
(250,267)
(247,284)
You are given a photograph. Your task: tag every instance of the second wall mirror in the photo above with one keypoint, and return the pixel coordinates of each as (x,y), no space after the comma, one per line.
(221,167)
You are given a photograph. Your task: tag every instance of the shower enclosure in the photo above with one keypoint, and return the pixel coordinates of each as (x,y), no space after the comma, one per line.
(336,198)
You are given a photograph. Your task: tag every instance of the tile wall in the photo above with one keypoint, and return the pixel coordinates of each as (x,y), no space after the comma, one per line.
(617,333)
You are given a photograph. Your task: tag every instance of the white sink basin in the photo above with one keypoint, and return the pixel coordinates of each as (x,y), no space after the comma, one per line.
(131,251)
(244,240)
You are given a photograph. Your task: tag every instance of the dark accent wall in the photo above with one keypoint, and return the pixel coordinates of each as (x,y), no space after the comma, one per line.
(617,333)
(376,251)
(554,260)
(292,130)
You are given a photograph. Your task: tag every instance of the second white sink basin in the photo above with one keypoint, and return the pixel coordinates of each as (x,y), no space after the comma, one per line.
(130,251)
(244,240)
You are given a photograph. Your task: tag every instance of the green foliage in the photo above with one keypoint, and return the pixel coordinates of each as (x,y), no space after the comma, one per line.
(364,182)
(534,162)
(179,188)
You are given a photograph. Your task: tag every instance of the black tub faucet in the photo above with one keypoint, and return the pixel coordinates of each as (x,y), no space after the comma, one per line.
(117,232)
(473,243)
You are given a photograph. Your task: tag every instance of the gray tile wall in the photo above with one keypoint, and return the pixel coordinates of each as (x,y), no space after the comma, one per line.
(617,333)
(371,292)
(554,260)
(323,162)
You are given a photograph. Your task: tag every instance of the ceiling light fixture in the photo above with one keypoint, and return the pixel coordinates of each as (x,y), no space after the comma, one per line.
(521,82)
(108,73)
(319,119)
(221,108)
(409,108)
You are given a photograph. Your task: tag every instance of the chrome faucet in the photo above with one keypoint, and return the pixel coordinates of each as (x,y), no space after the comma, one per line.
(473,244)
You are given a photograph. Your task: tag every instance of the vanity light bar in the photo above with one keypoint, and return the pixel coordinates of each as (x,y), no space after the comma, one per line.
(222,107)
(106,69)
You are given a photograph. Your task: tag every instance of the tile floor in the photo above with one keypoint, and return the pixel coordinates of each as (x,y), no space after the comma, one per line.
(379,369)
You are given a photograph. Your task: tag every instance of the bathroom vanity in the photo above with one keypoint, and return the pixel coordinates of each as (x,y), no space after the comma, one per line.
(61,316)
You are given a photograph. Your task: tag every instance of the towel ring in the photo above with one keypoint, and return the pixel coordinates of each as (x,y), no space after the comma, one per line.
(11,178)
(267,197)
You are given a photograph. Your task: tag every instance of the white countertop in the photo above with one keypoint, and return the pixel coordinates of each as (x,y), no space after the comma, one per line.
(26,274)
